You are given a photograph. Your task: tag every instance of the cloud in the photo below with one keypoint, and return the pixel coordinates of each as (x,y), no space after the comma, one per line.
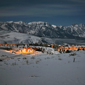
(37,2)
(40,10)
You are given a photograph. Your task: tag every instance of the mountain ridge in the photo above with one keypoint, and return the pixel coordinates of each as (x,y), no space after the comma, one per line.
(44,29)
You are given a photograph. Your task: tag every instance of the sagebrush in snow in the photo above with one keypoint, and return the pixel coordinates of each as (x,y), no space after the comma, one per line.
(73,54)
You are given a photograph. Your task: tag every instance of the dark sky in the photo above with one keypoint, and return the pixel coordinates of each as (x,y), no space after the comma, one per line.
(57,12)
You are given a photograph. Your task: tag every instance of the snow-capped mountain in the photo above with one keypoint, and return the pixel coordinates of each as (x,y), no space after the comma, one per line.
(44,29)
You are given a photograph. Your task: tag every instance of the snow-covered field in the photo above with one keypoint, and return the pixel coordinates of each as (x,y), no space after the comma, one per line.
(15,37)
(43,69)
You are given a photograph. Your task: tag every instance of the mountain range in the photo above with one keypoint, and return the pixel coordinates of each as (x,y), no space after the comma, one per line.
(42,30)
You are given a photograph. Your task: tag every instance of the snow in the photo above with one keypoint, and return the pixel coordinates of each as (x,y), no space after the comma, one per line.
(39,22)
(9,21)
(15,29)
(43,69)
(82,35)
(6,54)
(54,26)
(15,37)
(19,22)
(54,31)
(43,28)
(3,26)
(2,52)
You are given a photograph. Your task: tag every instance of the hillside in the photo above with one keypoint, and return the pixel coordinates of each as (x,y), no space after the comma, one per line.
(44,29)
(43,69)
(41,32)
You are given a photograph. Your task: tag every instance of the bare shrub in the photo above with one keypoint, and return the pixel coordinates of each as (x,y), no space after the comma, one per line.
(14,63)
(59,59)
(32,57)
(73,54)
(48,57)
(34,76)
(12,58)
(37,61)
(1,60)
(27,61)
(24,58)
(6,63)
(73,59)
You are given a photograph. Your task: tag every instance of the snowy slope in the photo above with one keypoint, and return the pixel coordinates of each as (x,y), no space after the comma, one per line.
(11,37)
(40,32)
(44,69)
(14,37)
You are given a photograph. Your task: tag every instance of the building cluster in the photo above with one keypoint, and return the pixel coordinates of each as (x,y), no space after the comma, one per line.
(7,44)
(70,48)
(60,48)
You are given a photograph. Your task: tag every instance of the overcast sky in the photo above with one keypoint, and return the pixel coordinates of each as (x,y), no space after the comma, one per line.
(57,12)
